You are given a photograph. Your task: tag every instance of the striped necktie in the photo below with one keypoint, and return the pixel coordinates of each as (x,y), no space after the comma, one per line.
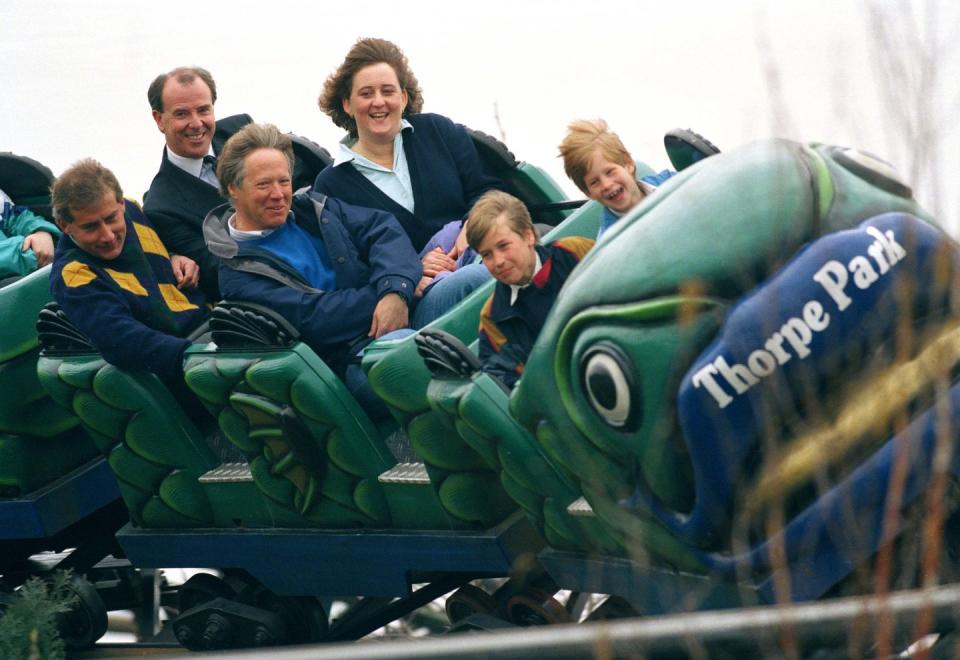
(208,172)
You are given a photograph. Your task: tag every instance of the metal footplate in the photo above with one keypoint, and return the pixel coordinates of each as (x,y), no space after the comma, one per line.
(228,473)
(406,473)
(580,508)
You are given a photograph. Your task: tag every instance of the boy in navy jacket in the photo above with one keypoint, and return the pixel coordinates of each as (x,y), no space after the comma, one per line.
(529,278)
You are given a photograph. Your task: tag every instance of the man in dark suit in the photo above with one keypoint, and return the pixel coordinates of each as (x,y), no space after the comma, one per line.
(185,188)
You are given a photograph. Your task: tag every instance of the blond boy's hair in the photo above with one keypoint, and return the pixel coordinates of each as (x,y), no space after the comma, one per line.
(488,209)
(585,137)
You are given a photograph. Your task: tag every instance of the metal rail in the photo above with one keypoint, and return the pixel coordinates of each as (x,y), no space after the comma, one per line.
(839,624)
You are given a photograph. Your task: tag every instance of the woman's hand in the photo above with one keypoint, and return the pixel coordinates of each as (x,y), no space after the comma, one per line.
(436,261)
(460,245)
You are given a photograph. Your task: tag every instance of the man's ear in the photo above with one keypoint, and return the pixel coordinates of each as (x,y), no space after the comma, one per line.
(158,117)
(232,190)
(61,224)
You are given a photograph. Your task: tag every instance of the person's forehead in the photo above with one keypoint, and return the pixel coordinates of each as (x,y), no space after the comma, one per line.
(105,208)
(174,90)
(598,159)
(500,230)
(376,73)
(268,156)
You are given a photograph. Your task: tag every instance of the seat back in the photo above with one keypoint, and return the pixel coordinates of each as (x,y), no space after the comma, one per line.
(478,408)
(27,182)
(313,453)
(153,448)
(39,440)
(309,160)
(529,183)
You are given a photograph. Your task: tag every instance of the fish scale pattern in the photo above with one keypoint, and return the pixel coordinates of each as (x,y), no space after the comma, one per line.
(479,411)
(39,440)
(155,451)
(312,452)
(468,489)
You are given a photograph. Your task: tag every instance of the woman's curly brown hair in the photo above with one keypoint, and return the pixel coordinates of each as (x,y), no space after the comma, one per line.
(364,53)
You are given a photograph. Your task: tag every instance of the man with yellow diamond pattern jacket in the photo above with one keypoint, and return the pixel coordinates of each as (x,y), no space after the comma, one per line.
(115,280)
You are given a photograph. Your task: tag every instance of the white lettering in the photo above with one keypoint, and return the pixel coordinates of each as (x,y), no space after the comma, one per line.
(832,276)
(775,346)
(894,250)
(863,273)
(738,376)
(876,250)
(761,363)
(705,377)
(797,333)
(814,316)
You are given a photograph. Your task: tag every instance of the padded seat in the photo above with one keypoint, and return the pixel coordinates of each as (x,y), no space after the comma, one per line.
(39,440)
(545,199)
(313,453)
(155,450)
(27,182)
(309,160)
(479,410)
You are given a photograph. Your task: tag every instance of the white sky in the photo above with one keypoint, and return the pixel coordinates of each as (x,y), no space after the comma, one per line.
(74,73)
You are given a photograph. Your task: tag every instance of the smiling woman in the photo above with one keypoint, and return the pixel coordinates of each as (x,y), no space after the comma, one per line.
(422,168)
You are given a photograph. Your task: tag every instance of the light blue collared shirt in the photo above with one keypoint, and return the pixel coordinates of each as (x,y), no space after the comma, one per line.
(195,166)
(394,183)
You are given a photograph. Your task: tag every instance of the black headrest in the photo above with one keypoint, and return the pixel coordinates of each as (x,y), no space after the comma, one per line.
(493,152)
(311,159)
(22,177)
(445,355)
(58,335)
(236,324)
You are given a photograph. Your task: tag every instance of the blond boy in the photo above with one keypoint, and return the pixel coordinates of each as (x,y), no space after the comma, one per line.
(599,164)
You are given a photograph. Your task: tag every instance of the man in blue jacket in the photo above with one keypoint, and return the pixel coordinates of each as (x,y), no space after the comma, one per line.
(342,275)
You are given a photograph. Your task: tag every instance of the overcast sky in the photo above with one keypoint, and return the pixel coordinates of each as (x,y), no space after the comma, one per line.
(75,73)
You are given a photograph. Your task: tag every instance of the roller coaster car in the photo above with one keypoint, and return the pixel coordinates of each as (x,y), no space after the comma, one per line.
(316,505)
(60,504)
(742,393)
(57,495)
(51,478)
